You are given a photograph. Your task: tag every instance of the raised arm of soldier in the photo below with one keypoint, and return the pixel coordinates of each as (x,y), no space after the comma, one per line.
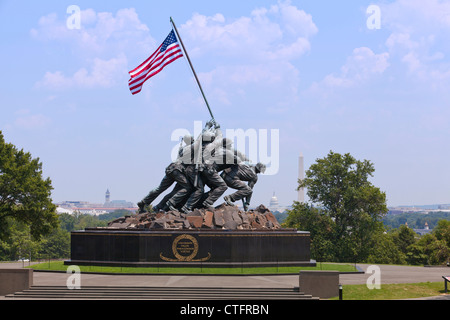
(211,150)
(187,153)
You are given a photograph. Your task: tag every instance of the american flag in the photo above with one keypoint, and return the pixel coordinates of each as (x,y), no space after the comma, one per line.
(167,52)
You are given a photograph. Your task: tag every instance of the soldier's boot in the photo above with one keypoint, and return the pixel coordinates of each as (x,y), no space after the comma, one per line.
(185,209)
(170,206)
(207,206)
(141,206)
(228,200)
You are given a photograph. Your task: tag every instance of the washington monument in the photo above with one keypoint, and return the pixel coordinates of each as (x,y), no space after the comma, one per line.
(301,176)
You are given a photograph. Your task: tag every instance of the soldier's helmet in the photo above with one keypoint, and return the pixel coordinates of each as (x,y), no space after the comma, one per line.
(227,142)
(260,167)
(188,139)
(208,136)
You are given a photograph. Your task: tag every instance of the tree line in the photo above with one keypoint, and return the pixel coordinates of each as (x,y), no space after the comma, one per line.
(55,245)
(415,220)
(345,218)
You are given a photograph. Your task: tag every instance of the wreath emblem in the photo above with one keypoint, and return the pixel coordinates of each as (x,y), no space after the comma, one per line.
(185,248)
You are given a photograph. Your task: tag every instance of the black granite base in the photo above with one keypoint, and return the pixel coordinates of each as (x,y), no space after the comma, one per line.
(213,248)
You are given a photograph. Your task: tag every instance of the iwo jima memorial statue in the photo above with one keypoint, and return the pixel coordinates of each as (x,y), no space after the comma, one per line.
(185,228)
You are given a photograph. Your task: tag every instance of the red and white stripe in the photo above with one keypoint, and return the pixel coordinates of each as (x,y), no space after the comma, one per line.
(153,65)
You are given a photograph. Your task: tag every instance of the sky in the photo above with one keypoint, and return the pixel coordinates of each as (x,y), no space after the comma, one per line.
(369,78)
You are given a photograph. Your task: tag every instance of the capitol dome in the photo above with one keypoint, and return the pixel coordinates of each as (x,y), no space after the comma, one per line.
(274,203)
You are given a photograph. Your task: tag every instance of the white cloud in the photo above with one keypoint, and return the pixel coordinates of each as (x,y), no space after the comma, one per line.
(399,41)
(290,51)
(418,40)
(296,21)
(102,46)
(103,73)
(416,15)
(251,51)
(240,38)
(280,32)
(420,35)
(273,85)
(26,120)
(360,67)
(244,75)
(99,33)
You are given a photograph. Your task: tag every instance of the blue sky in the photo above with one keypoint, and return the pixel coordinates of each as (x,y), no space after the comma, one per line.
(311,69)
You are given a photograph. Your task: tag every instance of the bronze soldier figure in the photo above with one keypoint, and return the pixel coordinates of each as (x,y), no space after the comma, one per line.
(235,177)
(175,172)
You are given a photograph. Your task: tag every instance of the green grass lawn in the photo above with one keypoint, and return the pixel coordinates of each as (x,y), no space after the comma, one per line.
(59,266)
(392,291)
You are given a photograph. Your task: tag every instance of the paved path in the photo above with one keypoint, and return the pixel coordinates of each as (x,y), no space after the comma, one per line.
(398,274)
(389,274)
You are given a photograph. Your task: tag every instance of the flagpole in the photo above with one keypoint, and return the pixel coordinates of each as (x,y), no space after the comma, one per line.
(192,68)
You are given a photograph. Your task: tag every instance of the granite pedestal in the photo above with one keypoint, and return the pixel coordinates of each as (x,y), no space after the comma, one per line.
(193,247)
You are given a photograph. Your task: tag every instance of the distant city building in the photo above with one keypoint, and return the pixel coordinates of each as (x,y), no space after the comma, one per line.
(92,211)
(423,231)
(76,204)
(120,204)
(85,207)
(107,196)
(419,209)
(60,210)
(274,205)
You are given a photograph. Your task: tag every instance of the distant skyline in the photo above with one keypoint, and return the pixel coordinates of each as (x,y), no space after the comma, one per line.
(328,75)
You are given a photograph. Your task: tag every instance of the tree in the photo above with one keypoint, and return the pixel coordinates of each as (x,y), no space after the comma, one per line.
(19,243)
(428,250)
(442,231)
(339,185)
(56,245)
(67,221)
(403,238)
(114,215)
(385,251)
(87,221)
(24,194)
(305,217)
